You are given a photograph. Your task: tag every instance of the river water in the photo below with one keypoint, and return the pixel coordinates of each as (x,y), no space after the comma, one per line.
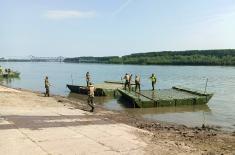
(219,112)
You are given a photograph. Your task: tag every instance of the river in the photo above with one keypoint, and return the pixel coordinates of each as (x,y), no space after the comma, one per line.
(219,112)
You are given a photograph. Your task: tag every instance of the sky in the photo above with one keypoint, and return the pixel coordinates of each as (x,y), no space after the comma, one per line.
(72,28)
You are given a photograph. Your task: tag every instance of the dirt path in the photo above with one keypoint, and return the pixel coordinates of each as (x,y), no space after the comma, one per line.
(33,124)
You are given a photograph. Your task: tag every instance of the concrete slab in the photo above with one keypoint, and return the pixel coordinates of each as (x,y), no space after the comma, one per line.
(67,112)
(90,132)
(37,127)
(50,134)
(19,146)
(26,111)
(64,131)
(74,146)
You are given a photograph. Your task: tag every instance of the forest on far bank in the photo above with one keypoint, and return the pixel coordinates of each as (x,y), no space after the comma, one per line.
(223,57)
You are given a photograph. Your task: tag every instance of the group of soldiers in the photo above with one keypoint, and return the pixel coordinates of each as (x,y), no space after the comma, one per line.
(91,88)
(128,79)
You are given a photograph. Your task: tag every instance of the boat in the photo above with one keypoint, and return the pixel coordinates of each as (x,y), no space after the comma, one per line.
(77,89)
(103,89)
(175,96)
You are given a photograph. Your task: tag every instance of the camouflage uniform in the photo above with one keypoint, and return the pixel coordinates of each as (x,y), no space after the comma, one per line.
(137,83)
(88,79)
(47,85)
(127,80)
(91,96)
(1,70)
(154,81)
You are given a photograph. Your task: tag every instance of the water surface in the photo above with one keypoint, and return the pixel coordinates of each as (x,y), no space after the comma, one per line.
(220,111)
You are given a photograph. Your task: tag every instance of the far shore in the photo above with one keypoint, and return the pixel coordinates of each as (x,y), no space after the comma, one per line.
(97,63)
(210,57)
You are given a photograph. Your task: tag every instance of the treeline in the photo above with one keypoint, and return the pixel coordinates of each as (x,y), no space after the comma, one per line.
(194,57)
(91,59)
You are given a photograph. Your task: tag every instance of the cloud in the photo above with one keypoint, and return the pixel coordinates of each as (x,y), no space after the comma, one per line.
(122,7)
(68,14)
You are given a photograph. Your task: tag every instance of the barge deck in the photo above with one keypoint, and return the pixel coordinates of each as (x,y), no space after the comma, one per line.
(166,97)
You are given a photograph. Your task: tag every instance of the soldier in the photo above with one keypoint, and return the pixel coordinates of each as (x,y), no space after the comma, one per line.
(129,82)
(91,96)
(137,83)
(153,80)
(1,69)
(47,85)
(127,79)
(88,79)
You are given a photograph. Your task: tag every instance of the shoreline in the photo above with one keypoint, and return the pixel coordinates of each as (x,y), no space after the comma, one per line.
(207,140)
(126,64)
(81,102)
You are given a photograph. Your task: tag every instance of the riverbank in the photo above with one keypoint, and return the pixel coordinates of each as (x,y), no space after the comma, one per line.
(221,57)
(33,124)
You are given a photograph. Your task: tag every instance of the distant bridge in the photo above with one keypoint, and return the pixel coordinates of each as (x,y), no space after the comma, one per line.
(53,59)
(34,59)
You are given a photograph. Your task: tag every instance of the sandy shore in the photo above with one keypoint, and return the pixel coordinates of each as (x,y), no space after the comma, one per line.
(33,124)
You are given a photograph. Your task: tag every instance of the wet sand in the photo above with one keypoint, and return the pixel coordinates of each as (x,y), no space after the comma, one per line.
(32,123)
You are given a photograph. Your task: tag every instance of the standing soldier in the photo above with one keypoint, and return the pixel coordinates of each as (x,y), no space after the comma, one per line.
(137,83)
(47,85)
(1,69)
(127,79)
(91,96)
(153,80)
(8,70)
(88,79)
(129,82)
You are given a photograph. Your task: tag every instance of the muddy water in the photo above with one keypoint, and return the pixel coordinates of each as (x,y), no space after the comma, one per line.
(220,111)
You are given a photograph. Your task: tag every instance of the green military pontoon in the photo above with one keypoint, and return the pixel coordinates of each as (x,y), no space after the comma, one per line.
(166,97)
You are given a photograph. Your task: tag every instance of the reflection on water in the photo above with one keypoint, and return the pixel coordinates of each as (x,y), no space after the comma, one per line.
(120,104)
(219,111)
(8,81)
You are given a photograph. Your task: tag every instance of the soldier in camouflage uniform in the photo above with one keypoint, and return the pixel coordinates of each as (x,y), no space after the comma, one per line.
(127,79)
(137,83)
(88,79)
(91,96)
(47,86)
(1,69)
(153,79)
